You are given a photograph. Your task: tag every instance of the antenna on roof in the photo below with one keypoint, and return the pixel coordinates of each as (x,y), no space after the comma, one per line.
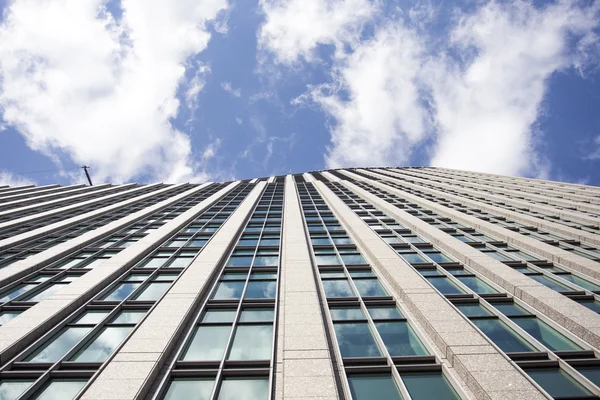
(85,168)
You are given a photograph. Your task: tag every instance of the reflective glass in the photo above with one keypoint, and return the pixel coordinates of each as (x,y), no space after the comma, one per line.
(190,388)
(504,337)
(445,285)
(257,315)
(102,345)
(356,340)
(58,346)
(544,333)
(47,292)
(557,383)
(62,389)
(121,292)
(12,293)
(350,259)
(129,317)
(262,261)
(476,285)
(592,373)
(153,291)
(155,263)
(261,290)
(252,342)
(584,283)
(429,386)
(337,288)
(219,316)
(384,312)
(92,317)
(510,309)
(208,343)
(346,313)
(368,387)
(11,389)
(439,257)
(369,287)
(551,283)
(229,290)
(473,310)
(6,316)
(327,260)
(413,258)
(244,389)
(591,304)
(400,339)
(180,262)
(245,261)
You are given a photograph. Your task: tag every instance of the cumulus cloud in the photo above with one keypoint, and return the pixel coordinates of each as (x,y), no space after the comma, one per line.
(293,28)
(76,81)
(10,179)
(476,91)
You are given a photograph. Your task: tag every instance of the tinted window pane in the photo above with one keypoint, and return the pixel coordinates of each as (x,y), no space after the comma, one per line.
(543,332)
(244,389)
(129,317)
(591,304)
(7,316)
(208,343)
(153,291)
(190,388)
(428,386)
(252,342)
(229,290)
(413,258)
(102,345)
(551,283)
(439,257)
(337,288)
(356,340)
(400,339)
(592,373)
(445,286)
(47,292)
(219,316)
(346,313)
(369,287)
(257,314)
(557,383)
(58,346)
(19,290)
(11,389)
(510,309)
(62,389)
(368,387)
(476,285)
(584,283)
(384,312)
(121,292)
(92,317)
(502,335)
(473,310)
(261,290)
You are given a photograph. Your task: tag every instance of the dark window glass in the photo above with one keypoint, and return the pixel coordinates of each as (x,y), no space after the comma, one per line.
(400,339)
(476,285)
(592,373)
(428,386)
(368,387)
(473,310)
(369,287)
(261,290)
(356,340)
(445,285)
(543,332)
(337,288)
(557,383)
(503,336)
(510,309)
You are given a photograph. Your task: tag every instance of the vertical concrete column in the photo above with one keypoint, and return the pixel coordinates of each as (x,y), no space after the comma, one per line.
(574,317)
(130,373)
(515,216)
(18,333)
(486,371)
(303,367)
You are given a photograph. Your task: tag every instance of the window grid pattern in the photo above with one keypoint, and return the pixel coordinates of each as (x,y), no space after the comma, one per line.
(6,197)
(35,287)
(78,346)
(229,351)
(556,277)
(482,199)
(535,344)
(45,221)
(371,332)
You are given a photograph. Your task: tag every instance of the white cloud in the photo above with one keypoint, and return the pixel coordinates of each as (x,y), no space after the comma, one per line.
(478,95)
(78,82)
(293,28)
(595,153)
(226,86)
(374,100)
(195,86)
(485,111)
(10,179)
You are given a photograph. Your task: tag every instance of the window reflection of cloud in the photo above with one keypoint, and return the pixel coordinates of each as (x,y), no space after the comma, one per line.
(130,317)
(122,291)
(229,290)
(339,288)
(356,340)
(384,312)
(12,390)
(58,347)
(208,343)
(197,389)
(103,345)
(369,287)
(244,389)
(252,342)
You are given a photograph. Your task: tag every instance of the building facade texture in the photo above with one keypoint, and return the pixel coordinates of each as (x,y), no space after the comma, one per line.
(378,283)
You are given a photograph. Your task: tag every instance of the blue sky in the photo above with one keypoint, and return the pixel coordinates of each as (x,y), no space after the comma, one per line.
(188,90)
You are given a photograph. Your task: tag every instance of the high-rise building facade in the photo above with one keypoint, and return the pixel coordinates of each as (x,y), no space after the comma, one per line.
(379,283)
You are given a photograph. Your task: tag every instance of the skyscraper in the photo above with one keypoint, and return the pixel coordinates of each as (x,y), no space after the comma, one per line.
(380,283)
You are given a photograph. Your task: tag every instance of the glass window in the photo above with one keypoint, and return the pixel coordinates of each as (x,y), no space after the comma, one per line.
(6,316)
(257,315)
(219,316)
(121,292)
(327,260)
(504,337)
(476,284)
(356,340)
(252,342)
(102,345)
(445,285)
(346,313)
(591,304)
(208,343)
(262,261)
(155,263)
(413,258)
(439,257)
(47,292)
(498,256)
(510,309)
(62,389)
(557,383)
(11,389)
(244,388)
(19,290)
(425,386)
(92,317)
(369,287)
(551,283)
(367,387)
(190,388)
(153,291)
(584,283)
(544,333)
(261,290)
(129,317)
(592,373)
(58,346)
(180,262)
(350,259)
(400,339)
(337,288)
(244,261)
(229,290)
(473,310)
(384,312)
